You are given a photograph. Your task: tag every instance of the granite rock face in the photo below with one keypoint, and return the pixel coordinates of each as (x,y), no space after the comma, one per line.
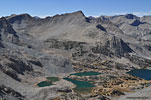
(7,33)
(113,46)
(6,93)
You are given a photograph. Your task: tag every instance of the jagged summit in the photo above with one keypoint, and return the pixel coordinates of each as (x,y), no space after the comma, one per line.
(16,15)
(130,16)
(75,17)
(18,18)
(78,13)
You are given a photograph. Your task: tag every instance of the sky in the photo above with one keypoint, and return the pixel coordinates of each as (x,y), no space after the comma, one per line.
(44,8)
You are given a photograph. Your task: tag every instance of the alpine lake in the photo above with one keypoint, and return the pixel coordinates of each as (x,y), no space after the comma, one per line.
(81,86)
(141,73)
(49,81)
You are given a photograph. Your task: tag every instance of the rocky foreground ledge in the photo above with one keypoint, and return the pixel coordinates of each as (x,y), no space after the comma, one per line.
(144,94)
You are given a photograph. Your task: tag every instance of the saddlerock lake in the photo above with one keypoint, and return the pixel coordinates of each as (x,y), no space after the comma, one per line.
(141,73)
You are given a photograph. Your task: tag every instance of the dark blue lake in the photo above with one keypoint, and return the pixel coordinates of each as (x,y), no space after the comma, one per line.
(142,73)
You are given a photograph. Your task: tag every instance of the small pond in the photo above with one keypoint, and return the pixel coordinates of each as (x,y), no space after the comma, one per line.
(142,73)
(86,73)
(48,82)
(52,79)
(44,83)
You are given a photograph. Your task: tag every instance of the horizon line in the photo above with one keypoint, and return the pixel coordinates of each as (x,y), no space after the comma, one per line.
(139,14)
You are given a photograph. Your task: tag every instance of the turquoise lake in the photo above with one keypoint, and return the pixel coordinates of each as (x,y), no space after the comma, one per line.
(86,73)
(44,83)
(81,86)
(142,73)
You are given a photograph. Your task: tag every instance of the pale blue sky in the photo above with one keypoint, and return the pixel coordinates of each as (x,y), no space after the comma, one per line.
(89,7)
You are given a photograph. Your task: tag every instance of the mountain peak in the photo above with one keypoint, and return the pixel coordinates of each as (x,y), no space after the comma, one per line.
(73,18)
(23,15)
(3,19)
(79,13)
(18,17)
(76,13)
(130,16)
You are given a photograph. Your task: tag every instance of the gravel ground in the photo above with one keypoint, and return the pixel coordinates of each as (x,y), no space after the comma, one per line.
(144,94)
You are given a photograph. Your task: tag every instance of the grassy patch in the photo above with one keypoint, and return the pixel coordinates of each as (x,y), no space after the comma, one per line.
(52,79)
(83,90)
